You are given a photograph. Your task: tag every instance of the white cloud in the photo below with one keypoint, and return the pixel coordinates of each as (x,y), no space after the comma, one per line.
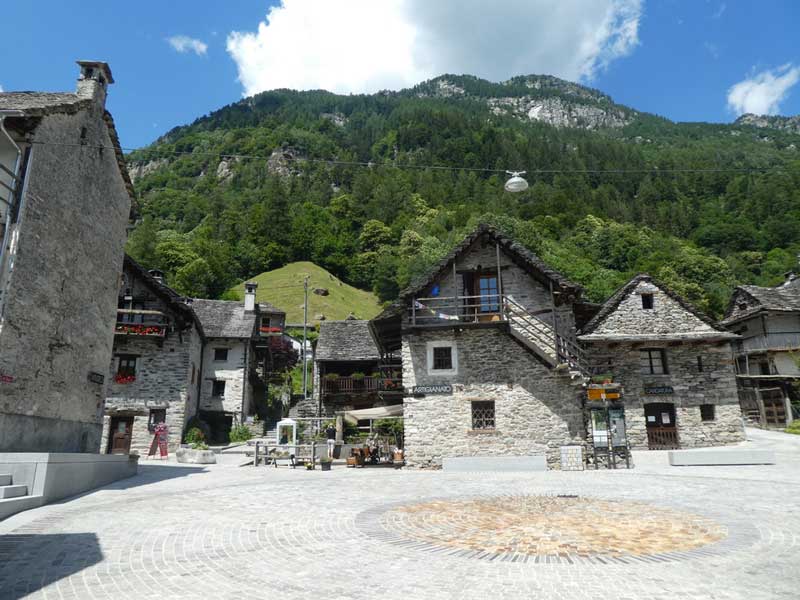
(183,43)
(763,92)
(366,45)
(1,88)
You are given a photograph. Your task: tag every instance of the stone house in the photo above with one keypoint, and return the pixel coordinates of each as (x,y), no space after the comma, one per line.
(349,371)
(243,343)
(65,203)
(493,364)
(489,361)
(155,371)
(176,358)
(768,353)
(673,363)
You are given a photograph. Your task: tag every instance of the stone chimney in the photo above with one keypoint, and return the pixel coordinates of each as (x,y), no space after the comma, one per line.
(157,275)
(94,80)
(250,296)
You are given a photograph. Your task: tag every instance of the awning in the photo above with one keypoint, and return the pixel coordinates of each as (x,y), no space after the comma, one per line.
(378,412)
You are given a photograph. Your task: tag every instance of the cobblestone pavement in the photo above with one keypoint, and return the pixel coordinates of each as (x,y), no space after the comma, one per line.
(654,532)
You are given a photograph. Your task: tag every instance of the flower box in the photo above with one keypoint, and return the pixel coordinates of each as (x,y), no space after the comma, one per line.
(124,379)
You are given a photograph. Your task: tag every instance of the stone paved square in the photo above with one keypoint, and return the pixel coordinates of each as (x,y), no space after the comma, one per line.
(222,532)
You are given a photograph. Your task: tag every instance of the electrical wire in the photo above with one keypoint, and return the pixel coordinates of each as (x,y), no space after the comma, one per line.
(651,171)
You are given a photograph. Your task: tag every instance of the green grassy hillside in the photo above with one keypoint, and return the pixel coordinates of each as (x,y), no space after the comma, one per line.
(284,288)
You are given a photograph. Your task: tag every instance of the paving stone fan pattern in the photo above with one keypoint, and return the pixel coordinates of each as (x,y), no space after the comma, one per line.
(553,526)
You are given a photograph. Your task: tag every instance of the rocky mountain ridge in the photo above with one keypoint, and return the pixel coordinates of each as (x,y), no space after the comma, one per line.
(790,124)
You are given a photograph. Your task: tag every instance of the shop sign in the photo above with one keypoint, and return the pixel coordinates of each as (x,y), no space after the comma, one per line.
(658,390)
(98,378)
(443,389)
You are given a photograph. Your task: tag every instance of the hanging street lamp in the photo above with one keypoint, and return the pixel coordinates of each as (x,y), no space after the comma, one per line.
(516,183)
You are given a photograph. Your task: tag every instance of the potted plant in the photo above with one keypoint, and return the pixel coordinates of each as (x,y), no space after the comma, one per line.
(197,453)
(325,463)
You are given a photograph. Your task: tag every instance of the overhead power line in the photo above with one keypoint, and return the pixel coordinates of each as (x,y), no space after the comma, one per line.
(393,165)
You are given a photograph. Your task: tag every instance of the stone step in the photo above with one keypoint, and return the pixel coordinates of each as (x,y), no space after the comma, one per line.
(5,479)
(13,491)
(11,506)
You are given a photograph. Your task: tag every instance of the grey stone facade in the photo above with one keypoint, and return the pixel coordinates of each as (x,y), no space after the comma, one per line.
(168,369)
(537,409)
(697,363)
(60,267)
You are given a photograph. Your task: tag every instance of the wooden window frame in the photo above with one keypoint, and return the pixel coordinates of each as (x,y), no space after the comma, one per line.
(225,350)
(128,370)
(661,353)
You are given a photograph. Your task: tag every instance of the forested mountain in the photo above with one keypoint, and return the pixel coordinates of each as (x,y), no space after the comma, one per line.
(613,191)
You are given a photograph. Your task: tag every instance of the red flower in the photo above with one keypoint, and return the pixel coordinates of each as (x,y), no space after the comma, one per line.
(122,378)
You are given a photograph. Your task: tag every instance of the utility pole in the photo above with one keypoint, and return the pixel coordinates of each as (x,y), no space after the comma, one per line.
(305,337)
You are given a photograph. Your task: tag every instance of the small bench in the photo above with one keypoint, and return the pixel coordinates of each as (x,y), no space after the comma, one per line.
(721,456)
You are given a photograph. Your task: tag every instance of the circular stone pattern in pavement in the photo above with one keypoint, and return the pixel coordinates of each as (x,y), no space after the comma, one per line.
(552,526)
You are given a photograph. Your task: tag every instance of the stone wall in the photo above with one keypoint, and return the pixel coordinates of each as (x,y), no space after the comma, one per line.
(537,409)
(233,371)
(166,378)
(60,299)
(666,317)
(715,384)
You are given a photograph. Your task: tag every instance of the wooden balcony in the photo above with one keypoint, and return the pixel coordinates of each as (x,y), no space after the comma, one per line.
(784,340)
(361,385)
(141,323)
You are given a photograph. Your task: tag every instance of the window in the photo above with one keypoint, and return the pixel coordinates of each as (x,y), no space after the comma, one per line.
(220,354)
(653,361)
(647,301)
(157,415)
(487,287)
(483,414)
(699,364)
(266,322)
(218,388)
(763,367)
(442,358)
(707,412)
(126,366)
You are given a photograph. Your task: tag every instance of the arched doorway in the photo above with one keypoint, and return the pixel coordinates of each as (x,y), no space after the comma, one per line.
(662,431)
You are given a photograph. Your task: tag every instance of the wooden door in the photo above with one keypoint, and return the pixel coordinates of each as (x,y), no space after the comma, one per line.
(119,438)
(662,431)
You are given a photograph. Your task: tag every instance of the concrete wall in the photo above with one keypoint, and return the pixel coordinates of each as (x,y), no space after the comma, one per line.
(60,299)
(537,409)
(715,384)
(233,371)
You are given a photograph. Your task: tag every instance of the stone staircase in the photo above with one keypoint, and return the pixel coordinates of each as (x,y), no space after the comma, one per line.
(15,497)
(540,338)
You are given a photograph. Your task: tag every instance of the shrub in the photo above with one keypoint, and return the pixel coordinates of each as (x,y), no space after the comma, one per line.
(194,436)
(199,446)
(196,422)
(794,427)
(240,433)
(358,376)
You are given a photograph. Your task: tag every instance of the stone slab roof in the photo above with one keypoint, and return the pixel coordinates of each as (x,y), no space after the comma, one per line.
(346,341)
(523,257)
(224,319)
(622,317)
(39,104)
(266,307)
(172,298)
(750,300)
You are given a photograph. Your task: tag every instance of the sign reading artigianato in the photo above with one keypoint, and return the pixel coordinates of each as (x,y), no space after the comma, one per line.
(421,390)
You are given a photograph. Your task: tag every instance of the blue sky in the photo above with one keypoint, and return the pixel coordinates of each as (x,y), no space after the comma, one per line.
(687,60)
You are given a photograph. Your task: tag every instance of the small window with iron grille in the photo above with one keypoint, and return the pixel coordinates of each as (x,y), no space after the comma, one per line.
(707,412)
(483,415)
(443,358)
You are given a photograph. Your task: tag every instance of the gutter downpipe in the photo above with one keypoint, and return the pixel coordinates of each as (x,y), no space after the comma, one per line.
(17,162)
